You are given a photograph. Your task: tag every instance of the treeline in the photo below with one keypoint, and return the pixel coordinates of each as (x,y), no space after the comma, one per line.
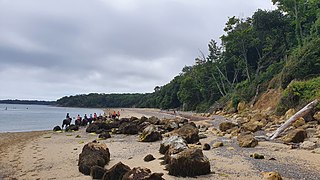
(35,102)
(101,100)
(267,50)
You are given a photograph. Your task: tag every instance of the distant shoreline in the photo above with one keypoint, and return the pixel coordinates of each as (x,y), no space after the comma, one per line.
(30,102)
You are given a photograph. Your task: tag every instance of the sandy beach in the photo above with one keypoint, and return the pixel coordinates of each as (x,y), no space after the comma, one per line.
(54,155)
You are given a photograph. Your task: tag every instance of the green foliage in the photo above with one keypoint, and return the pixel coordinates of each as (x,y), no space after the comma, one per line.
(298,94)
(304,63)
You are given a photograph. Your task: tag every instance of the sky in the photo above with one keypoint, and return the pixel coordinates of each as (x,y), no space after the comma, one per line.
(55,48)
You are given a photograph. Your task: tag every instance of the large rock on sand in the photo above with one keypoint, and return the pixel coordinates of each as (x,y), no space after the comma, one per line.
(224,126)
(175,142)
(150,134)
(139,173)
(189,162)
(129,128)
(97,172)
(247,140)
(295,136)
(93,154)
(188,132)
(116,172)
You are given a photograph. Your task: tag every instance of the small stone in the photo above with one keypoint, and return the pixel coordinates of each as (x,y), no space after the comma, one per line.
(257,156)
(308,145)
(217,144)
(230,148)
(206,147)
(149,158)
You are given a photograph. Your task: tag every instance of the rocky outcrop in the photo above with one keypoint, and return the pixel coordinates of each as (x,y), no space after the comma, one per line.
(295,136)
(150,134)
(246,140)
(175,142)
(224,126)
(139,173)
(189,162)
(188,132)
(93,154)
(116,172)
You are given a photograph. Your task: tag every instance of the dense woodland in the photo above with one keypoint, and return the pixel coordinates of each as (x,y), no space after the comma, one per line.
(272,49)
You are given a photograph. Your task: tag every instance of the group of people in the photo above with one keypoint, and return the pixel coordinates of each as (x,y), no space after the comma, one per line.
(93,117)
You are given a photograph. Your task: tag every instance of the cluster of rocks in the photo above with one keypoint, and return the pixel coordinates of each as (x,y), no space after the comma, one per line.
(95,156)
(303,133)
(180,160)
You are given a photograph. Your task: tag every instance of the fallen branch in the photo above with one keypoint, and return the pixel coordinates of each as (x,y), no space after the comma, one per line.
(293,118)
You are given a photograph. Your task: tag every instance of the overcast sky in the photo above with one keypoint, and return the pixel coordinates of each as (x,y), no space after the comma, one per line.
(55,48)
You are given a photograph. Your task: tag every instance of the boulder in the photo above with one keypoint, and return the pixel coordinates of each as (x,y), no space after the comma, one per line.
(271,176)
(92,128)
(93,154)
(72,127)
(171,125)
(316,116)
(257,156)
(139,173)
(116,172)
(252,126)
(295,136)
(189,162)
(175,142)
(206,147)
(104,135)
(289,113)
(224,126)
(246,140)
(57,128)
(150,134)
(308,145)
(241,106)
(299,122)
(97,172)
(188,132)
(149,158)
(129,128)
(153,120)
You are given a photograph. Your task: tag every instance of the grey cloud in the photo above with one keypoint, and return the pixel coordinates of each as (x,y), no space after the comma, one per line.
(53,48)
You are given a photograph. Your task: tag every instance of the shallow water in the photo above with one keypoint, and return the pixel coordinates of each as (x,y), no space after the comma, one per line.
(18,117)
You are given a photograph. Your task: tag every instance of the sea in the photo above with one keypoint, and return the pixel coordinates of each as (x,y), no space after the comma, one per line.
(22,118)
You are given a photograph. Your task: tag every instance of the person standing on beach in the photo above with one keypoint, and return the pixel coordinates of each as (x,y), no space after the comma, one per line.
(95,116)
(118,114)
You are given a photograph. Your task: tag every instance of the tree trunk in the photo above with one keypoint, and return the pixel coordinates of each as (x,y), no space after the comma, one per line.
(293,118)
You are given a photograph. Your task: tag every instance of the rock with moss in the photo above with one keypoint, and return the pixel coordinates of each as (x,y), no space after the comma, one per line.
(150,134)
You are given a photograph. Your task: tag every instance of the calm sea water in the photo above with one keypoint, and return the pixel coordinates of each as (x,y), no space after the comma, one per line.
(17,117)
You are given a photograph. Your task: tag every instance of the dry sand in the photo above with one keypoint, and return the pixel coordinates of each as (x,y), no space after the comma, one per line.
(52,155)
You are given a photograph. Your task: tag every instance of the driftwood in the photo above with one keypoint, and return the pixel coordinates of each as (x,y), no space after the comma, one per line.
(293,118)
